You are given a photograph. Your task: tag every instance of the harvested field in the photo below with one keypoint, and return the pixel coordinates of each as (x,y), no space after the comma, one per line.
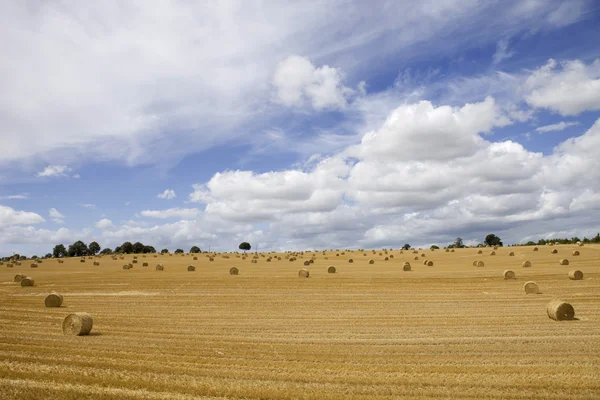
(366,332)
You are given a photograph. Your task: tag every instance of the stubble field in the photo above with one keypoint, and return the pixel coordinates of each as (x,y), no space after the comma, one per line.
(450,330)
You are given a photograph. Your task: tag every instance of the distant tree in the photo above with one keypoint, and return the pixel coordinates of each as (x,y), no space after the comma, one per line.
(406,246)
(596,239)
(458,243)
(94,248)
(126,248)
(493,240)
(59,251)
(106,251)
(164,251)
(433,247)
(48,255)
(78,249)
(178,251)
(195,249)
(575,239)
(245,246)
(23,257)
(149,249)
(585,240)
(530,243)
(138,248)
(34,257)
(118,249)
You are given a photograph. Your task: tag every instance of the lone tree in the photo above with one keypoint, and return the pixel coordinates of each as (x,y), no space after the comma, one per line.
(245,246)
(458,243)
(433,247)
(406,246)
(78,249)
(94,248)
(106,251)
(493,240)
(178,251)
(195,249)
(59,251)
(164,251)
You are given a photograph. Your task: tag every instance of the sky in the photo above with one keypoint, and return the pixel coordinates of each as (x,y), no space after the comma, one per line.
(297,125)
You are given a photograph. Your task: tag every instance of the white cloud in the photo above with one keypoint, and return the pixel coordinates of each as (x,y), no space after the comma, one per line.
(168,194)
(54,171)
(56,216)
(10,216)
(23,196)
(87,205)
(105,223)
(185,213)
(570,87)
(298,82)
(556,127)
(502,52)
(76,176)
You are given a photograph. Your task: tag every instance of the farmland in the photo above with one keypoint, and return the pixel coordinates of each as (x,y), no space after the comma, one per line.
(369,331)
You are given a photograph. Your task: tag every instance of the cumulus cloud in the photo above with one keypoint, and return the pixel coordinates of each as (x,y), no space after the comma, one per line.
(298,82)
(185,213)
(569,87)
(556,127)
(105,223)
(56,216)
(15,197)
(168,194)
(10,216)
(54,171)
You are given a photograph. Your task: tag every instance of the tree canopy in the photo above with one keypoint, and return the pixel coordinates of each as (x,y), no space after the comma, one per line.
(94,248)
(493,240)
(406,246)
(195,249)
(245,246)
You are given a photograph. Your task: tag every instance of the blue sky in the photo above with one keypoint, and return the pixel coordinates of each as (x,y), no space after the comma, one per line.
(329,124)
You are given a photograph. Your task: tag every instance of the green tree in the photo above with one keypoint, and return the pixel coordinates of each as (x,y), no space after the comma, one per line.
(34,257)
(106,251)
(245,246)
(94,248)
(493,240)
(164,251)
(59,251)
(433,247)
(48,255)
(138,248)
(458,243)
(195,249)
(78,249)
(406,246)
(149,249)
(126,248)
(178,251)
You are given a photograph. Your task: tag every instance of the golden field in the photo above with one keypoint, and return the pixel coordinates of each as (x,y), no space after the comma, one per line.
(450,330)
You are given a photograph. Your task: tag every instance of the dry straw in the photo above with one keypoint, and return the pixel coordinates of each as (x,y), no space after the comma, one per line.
(34,265)
(306,263)
(511,254)
(480,252)
(526,264)
(19,277)
(535,249)
(475,263)
(78,324)
(575,253)
(303,273)
(53,300)
(160,267)
(452,251)
(127,266)
(143,265)
(508,274)
(27,281)
(191,268)
(559,310)
(480,264)
(82,260)
(331,269)
(195,258)
(564,261)
(406,266)
(233,271)
(350,260)
(575,275)
(371,261)
(96,263)
(416,258)
(531,287)
(493,253)
(430,263)
(554,251)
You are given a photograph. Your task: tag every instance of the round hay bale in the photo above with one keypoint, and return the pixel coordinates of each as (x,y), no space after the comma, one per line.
(371,261)
(480,252)
(211,259)
(526,264)
(425,262)
(9,265)
(452,251)
(143,265)
(511,254)
(554,251)
(480,264)
(53,300)
(269,259)
(279,258)
(96,263)
(27,281)
(126,266)
(493,253)
(429,263)
(78,324)
(19,277)
(475,263)
(364,254)
(331,269)
(575,275)
(337,254)
(134,261)
(564,261)
(311,261)
(406,266)
(447,250)
(306,263)
(233,271)
(580,244)
(191,268)
(535,249)
(160,267)
(508,274)
(303,273)
(391,256)
(559,310)
(531,287)
(82,260)
(416,258)
(423,255)
(34,265)
(495,247)
(575,253)
(195,258)
(350,260)
(135,257)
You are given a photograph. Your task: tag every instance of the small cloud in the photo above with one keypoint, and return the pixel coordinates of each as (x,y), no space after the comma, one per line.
(502,52)
(556,127)
(88,205)
(54,171)
(105,223)
(76,176)
(168,194)
(127,203)
(15,197)
(186,213)
(56,216)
